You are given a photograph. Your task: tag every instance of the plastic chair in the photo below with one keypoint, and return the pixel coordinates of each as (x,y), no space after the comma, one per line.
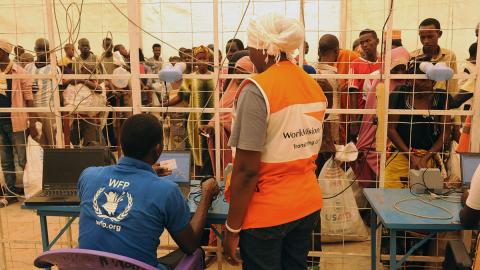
(76,259)
(84,259)
(192,262)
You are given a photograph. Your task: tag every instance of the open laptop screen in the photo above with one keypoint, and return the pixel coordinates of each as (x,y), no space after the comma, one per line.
(64,166)
(469,164)
(179,163)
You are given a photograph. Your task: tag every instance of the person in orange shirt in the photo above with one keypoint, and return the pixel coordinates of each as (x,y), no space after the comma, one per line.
(275,199)
(356,46)
(366,64)
(343,64)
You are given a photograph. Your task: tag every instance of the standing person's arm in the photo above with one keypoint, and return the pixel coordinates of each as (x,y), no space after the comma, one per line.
(27,93)
(445,131)
(470,213)
(394,136)
(328,91)
(354,86)
(445,128)
(243,184)
(188,238)
(248,136)
(183,94)
(354,90)
(352,98)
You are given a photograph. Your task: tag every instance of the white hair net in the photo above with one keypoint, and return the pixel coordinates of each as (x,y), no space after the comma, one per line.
(275,33)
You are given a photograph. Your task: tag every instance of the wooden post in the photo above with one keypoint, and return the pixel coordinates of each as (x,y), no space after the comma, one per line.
(216,93)
(216,101)
(384,107)
(53,62)
(60,143)
(134,37)
(301,52)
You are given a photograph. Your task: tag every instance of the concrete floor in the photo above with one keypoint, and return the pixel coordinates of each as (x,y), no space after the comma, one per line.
(21,231)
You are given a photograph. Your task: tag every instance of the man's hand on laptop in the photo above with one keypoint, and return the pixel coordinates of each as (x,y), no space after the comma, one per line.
(189,238)
(210,189)
(161,171)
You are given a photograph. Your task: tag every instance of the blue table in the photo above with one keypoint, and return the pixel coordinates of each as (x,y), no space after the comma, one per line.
(217,214)
(383,202)
(71,211)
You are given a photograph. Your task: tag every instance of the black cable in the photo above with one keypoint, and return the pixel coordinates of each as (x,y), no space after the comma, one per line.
(197,195)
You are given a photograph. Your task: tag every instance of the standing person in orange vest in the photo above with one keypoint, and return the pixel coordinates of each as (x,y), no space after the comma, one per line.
(275,199)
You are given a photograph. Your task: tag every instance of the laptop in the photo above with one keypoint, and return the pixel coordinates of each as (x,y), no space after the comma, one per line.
(61,170)
(468,165)
(179,162)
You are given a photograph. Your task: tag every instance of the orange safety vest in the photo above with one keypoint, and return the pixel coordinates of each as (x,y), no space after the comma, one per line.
(464,143)
(287,187)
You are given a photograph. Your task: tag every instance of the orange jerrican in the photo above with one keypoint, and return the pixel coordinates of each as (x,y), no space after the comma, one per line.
(464,144)
(287,188)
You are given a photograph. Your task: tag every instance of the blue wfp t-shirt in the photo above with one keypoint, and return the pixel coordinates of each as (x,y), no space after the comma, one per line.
(125,208)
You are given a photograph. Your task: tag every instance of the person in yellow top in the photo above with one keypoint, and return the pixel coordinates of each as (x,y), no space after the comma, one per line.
(67,59)
(275,199)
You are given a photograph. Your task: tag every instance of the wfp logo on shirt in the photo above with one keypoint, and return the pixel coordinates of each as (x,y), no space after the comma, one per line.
(108,209)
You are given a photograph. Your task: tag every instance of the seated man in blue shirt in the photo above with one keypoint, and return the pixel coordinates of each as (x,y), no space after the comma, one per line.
(125,207)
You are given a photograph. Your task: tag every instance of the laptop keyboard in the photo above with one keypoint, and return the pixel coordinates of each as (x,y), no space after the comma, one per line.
(58,193)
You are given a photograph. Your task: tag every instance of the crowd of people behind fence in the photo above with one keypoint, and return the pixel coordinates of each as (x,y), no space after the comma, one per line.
(416,141)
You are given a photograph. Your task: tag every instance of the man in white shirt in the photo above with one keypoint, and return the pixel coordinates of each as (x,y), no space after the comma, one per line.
(470,213)
(43,90)
(328,51)
(470,66)
(429,33)
(155,62)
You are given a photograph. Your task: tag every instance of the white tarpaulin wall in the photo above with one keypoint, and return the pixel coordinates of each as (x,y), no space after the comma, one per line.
(458,18)
(179,23)
(190,23)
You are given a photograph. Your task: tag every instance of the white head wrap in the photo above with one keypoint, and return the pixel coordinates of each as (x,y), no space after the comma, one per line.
(275,33)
